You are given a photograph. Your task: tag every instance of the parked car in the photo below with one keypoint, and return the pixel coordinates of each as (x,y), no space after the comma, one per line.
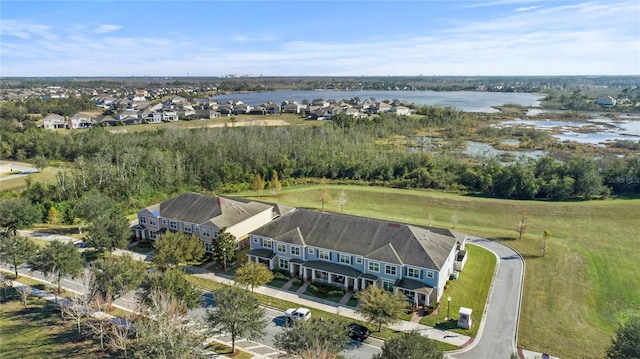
(297,314)
(358,332)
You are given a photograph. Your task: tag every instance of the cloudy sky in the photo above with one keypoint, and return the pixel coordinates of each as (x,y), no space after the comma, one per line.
(312,38)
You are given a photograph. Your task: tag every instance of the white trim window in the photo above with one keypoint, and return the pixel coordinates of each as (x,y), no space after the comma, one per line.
(358,260)
(187,227)
(295,251)
(374,267)
(345,258)
(206,232)
(310,251)
(267,243)
(153,221)
(413,272)
(142,220)
(282,247)
(208,247)
(323,254)
(283,263)
(430,274)
(173,225)
(388,286)
(153,235)
(390,270)
(256,240)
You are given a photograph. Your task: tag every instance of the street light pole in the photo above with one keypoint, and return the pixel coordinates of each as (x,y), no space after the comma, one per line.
(224,258)
(448,308)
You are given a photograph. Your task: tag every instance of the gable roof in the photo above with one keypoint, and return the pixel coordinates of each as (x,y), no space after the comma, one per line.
(198,208)
(371,238)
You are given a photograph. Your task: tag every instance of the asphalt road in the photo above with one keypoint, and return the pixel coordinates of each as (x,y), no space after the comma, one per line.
(25,172)
(498,335)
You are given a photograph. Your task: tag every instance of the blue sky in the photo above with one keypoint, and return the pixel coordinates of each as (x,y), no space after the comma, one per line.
(316,38)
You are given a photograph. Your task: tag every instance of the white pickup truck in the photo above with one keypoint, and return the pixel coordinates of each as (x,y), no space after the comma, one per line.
(297,314)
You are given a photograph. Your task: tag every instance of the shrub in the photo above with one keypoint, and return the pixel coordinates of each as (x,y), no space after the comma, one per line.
(336,293)
(313,289)
(279,275)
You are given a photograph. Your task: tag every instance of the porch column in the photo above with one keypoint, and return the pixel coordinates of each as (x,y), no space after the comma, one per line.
(329,278)
(271,264)
(313,275)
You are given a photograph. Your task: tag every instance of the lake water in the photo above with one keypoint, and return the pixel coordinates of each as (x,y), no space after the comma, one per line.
(596,131)
(463,100)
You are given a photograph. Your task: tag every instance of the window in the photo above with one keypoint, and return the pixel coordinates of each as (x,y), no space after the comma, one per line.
(256,240)
(153,221)
(358,260)
(143,220)
(310,251)
(187,227)
(374,266)
(206,232)
(388,286)
(430,274)
(267,243)
(346,259)
(282,247)
(284,263)
(295,251)
(153,235)
(208,247)
(173,225)
(164,221)
(215,234)
(323,254)
(390,270)
(413,272)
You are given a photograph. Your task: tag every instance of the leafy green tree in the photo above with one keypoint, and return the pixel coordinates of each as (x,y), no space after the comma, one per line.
(626,343)
(162,332)
(115,276)
(546,235)
(173,248)
(224,248)
(18,213)
(381,307)
(253,274)
(93,205)
(108,231)
(409,345)
(173,282)
(237,313)
(313,339)
(16,250)
(58,259)
(53,215)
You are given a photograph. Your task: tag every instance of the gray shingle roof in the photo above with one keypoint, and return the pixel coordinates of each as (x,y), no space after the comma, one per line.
(371,238)
(198,208)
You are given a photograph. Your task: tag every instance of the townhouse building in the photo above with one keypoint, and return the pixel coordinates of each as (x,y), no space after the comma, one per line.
(355,252)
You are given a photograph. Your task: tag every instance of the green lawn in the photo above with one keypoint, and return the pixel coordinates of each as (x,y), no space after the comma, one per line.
(470,290)
(573,298)
(38,332)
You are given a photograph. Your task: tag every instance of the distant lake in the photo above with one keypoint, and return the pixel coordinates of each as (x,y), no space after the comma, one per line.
(462,100)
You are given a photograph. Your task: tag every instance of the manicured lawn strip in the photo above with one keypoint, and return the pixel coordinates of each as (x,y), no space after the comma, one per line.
(277,283)
(36,332)
(470,290)
(226,351)
(573,298)
(48,175)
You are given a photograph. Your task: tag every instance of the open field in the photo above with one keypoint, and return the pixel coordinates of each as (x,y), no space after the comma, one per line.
(573,297)
(47,175)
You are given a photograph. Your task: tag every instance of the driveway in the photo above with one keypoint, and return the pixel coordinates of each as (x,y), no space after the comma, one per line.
(498,333)
(25,171)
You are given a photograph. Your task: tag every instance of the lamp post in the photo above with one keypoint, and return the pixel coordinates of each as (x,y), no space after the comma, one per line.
(224,258)
(448,308)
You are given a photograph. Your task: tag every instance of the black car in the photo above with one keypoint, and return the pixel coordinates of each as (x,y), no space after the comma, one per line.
(358,332)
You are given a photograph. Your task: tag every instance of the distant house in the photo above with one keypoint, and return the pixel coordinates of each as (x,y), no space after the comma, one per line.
(53,121)
(272,108)
(106,121)
(606,101)
(258,110)
(126,114)
(241,108)
(204,216)
(80,121)
(292,107)
(355,252)
(402,110)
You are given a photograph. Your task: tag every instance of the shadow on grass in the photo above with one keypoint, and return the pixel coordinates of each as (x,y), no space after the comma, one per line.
(448,325)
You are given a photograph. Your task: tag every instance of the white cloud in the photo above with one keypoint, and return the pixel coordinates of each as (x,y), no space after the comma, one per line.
(528,8)
(105,28)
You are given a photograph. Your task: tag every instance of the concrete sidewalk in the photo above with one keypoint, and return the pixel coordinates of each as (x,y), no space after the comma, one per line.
(347,312)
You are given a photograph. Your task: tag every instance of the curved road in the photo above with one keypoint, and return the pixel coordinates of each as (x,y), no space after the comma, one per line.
(498,333)
(25,171)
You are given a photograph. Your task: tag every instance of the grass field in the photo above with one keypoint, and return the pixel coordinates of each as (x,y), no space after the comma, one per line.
(574,297)
(47,175)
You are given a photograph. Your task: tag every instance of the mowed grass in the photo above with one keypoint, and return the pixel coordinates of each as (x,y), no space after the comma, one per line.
(38,332)
(47,175)
(573,298)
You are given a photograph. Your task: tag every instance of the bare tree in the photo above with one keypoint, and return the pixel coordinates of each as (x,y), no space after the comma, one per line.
(5,283)
(119,337)
(522,224)
(342,200)
(78,308)
(430,219)
(546,235)
(324,195)
(24,291)
(99,321)
(454,219)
